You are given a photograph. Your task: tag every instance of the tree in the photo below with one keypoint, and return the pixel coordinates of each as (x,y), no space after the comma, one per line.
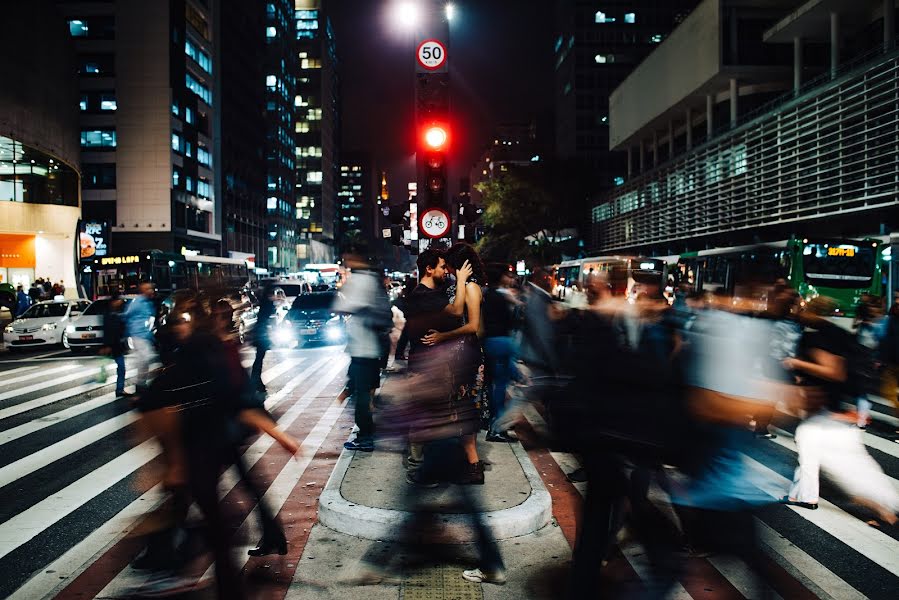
(518,207)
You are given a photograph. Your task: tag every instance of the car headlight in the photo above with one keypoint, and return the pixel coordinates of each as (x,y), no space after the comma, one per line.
(283,335)
(48,326)
(8,329)
(333,333)
(70,329)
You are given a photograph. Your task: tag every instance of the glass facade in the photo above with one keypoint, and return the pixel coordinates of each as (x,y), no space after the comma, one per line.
(27,175)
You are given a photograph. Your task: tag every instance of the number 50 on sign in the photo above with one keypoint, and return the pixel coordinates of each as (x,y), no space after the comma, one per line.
(431,55)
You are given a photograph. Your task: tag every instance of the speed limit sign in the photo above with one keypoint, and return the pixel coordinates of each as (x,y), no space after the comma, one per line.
(431,55)
(434,223)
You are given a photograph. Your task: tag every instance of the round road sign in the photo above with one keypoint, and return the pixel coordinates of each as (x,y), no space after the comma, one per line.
(431,55)
(434,223)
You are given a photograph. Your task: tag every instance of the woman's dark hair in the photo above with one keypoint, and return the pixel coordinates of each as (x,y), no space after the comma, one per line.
(459,253)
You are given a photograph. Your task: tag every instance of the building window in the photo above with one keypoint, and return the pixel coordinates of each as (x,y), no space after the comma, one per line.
(271,32)
(189,183)
(601,17)
(176,177)
(314,114)
(82,104)
(656,39)
(271,203)
(199,89)
(203,156)
(310,63)
(204,190)
(98,176)
(602,59)
(188,149)
(314,176)
(200,57)
(78,28)
(98,138)
(176,142)
(630,18)
(302,127)
(271,82)
(175,110)
(108,102)
(89,68)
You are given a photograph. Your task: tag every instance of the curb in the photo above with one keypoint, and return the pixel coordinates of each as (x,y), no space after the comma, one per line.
(383,524)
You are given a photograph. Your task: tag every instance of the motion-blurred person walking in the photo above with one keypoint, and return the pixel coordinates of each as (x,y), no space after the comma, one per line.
(262,335)
(829,440)
(499,345)
(139,319)
(114,343)
(364,299)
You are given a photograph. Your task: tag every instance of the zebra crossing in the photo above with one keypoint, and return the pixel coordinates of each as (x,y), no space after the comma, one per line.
(77,475)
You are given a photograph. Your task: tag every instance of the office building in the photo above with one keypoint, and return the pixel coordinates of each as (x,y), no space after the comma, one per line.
(39,155)
(357,198)
(150,91)
(317,129)
(787,128)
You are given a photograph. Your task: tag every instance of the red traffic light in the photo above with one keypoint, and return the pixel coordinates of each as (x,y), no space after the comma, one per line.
(436,137)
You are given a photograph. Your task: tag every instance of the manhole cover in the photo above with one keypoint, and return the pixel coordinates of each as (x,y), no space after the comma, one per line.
(439,583)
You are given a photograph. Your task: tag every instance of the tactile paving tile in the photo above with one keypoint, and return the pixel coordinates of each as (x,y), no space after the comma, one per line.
(439,583)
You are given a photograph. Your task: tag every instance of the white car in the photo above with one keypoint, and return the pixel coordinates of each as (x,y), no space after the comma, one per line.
(44,324)
(86,330)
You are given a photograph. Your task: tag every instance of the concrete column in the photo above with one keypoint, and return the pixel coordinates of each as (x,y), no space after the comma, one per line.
(709,115)
(834,43)
(655,148)
(734,99)
(630,161)
(689,120)
(889,22)
(670,139)
(797,64)
(642,164)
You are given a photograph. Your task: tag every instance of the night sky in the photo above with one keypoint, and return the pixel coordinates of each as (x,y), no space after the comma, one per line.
(500,58)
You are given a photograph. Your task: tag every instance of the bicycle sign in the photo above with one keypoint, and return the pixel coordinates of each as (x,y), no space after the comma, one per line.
(431,55)
(434,223)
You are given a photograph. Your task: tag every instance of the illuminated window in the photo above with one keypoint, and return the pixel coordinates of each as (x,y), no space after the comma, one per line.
(188,115)
(200,57)
(602,59)
(78,28)
(314,176)
(630,18)
(176,177)
(271,203)
(204,189)
(601,17)
(302,127)
(657,38)
(189,183)
(176,142)
(175,109)
(108,102)
(310,63)
(271,32)
(271,82)
(198,88)
(203,156)
(314,114)
(82,104)
(98,138)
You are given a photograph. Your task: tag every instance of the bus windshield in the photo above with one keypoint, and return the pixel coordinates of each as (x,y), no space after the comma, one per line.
(121,279)
(838,265)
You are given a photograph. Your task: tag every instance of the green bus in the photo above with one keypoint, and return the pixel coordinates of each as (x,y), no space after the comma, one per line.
(841,269)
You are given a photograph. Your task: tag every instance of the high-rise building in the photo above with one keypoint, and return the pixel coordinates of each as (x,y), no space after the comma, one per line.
(597,44)
(280,142)
(357,198)
(317,128)
(243,167)
(150,91)
(39,154)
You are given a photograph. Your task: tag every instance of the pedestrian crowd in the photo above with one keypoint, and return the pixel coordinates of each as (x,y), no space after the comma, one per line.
(41,289)
(653,399)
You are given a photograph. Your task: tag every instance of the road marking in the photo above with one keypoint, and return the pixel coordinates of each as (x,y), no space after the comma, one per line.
(17,370)
(875,545)
(27,524)
(41,373)
(22,407)
(35,425)
(54,382)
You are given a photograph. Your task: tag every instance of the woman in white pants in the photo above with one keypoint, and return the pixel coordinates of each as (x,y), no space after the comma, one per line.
(829,439)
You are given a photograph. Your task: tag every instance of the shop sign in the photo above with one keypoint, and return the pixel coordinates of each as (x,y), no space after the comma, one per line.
(94,239)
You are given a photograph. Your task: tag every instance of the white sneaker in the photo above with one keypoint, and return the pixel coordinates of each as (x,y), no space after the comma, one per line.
(478,576)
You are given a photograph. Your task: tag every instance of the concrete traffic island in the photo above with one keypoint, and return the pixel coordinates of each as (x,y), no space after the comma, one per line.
(367,496)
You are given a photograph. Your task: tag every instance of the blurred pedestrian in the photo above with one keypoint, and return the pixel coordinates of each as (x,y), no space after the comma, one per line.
(889,358)
(865,360)
(364,300)
(139,319)
(262,334)
(114,342)
(499,346)
(35,291)
(23,301)
(829,440)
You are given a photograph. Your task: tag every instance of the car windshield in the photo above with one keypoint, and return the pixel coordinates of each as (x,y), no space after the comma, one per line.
(42,311)
(838,265)
(319,301)
(100,307)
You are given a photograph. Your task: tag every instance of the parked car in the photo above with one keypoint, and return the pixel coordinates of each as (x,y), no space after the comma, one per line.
(311,319)
(86,330)
(44,324)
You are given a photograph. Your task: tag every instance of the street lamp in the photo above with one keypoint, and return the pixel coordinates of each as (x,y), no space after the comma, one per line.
(450,11)
(406,14)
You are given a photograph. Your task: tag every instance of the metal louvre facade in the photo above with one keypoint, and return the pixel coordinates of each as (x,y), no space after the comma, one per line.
(832,151)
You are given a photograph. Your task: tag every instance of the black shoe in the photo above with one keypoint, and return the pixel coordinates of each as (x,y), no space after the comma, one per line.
(361,446)
(268,546)
(579,475)
(808,505)
(472,474)
(765,435)
(493,436)
(415,477)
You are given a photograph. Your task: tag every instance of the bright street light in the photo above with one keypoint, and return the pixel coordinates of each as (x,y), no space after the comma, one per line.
(406,14)
(450,11)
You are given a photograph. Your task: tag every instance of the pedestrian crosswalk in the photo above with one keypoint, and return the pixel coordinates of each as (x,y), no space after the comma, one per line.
(77,475)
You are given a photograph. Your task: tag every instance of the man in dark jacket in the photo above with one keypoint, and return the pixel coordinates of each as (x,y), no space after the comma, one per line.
(113,341)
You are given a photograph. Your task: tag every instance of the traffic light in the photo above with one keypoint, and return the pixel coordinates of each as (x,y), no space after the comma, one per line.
(435,140)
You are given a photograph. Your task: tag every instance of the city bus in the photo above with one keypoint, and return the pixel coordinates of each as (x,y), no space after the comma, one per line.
(168,272)
(841,269)
(627,276)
